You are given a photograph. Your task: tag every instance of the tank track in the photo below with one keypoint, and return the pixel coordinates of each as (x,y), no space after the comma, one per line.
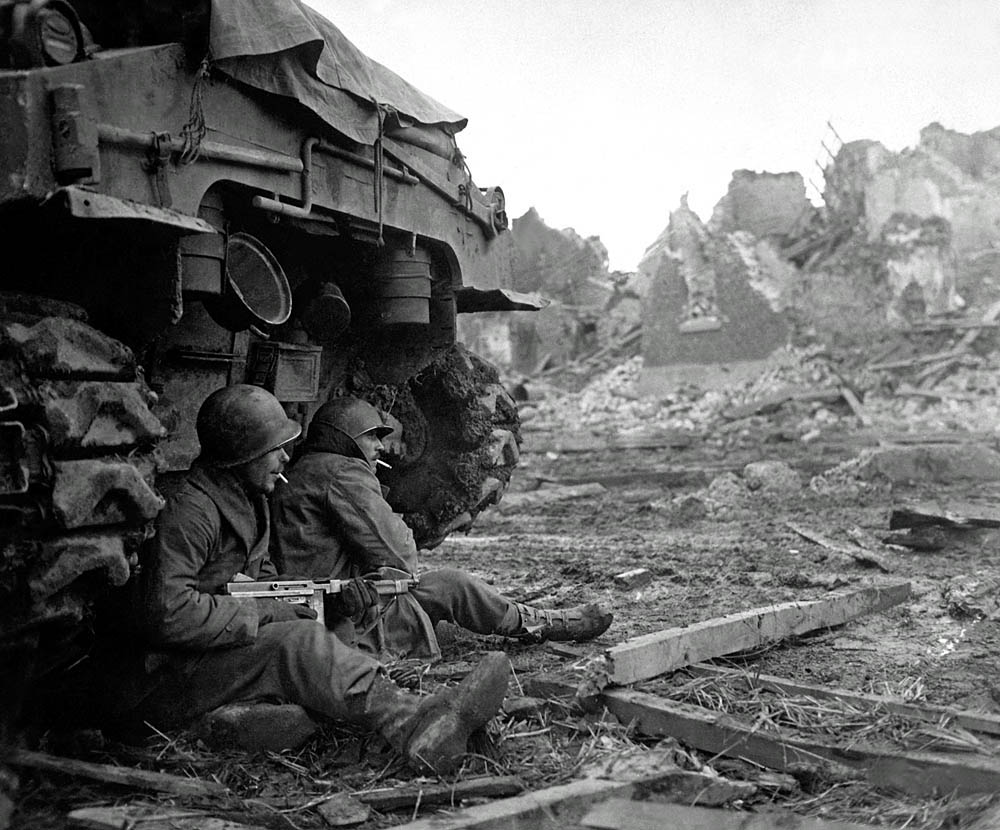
(77,492)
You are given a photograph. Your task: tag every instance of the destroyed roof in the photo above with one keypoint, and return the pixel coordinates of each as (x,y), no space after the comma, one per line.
(286,48)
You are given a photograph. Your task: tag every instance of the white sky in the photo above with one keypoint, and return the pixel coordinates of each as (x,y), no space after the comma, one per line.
(602,113)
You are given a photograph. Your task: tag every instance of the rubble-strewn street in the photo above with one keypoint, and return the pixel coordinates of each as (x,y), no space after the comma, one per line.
(332,495)
(722,502)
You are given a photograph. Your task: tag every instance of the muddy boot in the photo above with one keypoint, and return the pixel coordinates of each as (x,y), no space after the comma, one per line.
(432,732)
(584,622)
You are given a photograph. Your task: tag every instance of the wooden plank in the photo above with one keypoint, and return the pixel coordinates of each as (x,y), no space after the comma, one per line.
(396,798)
(860,555)
(150,817)
(947,514)
(642,658)
(621,814)
(126,776)
(563,806)
(917,773)
(918,361)
(928,713)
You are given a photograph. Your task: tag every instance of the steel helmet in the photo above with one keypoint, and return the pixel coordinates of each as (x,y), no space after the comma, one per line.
(237,424)
(352,416)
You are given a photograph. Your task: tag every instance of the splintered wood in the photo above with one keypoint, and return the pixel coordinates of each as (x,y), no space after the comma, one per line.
(619,814)
(135,778)
(645,657)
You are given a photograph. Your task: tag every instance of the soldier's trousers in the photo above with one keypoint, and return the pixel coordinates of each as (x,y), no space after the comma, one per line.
(301,662)
(298,662)
(451,595)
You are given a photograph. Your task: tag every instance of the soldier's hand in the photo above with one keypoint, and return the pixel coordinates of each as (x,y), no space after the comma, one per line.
(274,610)
(356,597)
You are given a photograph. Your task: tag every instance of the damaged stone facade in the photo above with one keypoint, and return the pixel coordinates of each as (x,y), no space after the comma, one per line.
(568,269)
(899,238)
(702,312)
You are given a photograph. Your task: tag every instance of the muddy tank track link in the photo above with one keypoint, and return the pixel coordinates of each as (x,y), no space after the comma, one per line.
(460,444)
(77,470)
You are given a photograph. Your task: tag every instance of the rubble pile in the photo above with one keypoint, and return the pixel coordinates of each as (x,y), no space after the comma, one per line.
(610,401)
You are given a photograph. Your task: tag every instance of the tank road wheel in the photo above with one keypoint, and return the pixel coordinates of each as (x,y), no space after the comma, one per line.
(77,466)
(459,445)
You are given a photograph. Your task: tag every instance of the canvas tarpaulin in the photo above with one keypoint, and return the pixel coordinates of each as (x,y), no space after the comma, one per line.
(286,48)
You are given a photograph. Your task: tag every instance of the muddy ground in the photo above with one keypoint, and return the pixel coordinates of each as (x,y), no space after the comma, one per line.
(739,555)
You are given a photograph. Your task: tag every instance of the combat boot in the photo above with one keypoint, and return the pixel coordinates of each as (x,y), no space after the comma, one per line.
(432,732)
(584,622)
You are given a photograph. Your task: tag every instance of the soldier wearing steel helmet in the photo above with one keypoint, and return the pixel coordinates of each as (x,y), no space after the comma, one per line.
(201,649)
(331,520)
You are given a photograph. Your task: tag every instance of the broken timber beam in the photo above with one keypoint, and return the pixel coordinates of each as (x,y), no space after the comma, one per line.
(397,798)
(126,776)
(621,814)
(645,657)
(556,808)
(948,514)
(973,721)
(916,773)
(150,817)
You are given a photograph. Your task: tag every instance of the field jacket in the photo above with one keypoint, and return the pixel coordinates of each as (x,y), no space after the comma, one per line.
(208,532)
(331,521)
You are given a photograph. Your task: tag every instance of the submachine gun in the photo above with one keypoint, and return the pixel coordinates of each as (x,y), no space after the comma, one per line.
(311,592)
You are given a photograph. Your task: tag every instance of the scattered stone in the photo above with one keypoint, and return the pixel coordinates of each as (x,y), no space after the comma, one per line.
(727,490)
(635,578)
(256,727)
(344,811)
(523,708)
(686,509)
(774,477)
(972,598)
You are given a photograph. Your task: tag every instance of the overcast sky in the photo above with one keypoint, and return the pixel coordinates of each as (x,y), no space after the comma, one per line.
(601,114)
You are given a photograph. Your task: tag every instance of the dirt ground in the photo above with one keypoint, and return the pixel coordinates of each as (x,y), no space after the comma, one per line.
(739,555)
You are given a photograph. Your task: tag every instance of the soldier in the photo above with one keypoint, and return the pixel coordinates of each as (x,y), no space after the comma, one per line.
(202,649)
(331,521)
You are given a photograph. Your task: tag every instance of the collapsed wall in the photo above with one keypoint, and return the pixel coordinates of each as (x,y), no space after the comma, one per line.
(588,303)
(915,234)
(900,237)
(705,321)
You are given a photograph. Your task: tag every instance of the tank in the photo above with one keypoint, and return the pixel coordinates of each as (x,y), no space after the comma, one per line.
(193,198)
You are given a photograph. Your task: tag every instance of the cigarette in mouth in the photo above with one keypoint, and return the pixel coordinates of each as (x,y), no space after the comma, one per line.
(283,478)
(381,463)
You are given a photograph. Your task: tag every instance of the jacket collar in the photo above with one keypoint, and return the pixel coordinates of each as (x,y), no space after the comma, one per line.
(237,509)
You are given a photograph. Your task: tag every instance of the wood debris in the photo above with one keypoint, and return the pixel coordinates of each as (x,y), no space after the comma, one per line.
(150,817)
(561,806)
(647,656)
(135,778)
(858,554)
(620,814)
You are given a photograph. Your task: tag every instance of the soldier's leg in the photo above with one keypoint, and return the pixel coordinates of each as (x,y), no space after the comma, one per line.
(296,661)
(465,600)
(457,597)
(301,662)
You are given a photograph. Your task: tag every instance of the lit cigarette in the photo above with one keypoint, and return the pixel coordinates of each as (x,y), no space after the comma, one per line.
(283,478)
(381,463)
